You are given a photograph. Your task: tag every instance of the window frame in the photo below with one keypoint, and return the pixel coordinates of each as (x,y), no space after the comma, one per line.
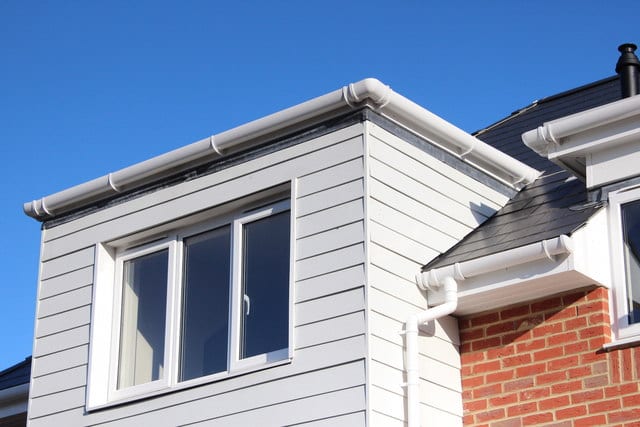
(102,388)
(620,319)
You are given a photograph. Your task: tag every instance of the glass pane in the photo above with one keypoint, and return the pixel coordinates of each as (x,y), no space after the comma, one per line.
(265,286)
(205,304)
(142,326)
(631,231)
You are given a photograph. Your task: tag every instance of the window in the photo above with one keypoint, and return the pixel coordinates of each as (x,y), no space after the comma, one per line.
(197,304)
(625,222)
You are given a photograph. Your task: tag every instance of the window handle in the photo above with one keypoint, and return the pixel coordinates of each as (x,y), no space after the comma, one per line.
(247,303)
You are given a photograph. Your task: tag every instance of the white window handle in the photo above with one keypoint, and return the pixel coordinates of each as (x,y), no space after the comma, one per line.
(247,303)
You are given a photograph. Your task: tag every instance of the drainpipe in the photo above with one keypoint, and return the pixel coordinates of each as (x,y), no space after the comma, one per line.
(412,327)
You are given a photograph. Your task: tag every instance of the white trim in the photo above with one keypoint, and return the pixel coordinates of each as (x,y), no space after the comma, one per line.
(619,319)
(368,92)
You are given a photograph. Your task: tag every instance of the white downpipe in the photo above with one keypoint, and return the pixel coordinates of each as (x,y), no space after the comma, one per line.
(367,92)
(412,328)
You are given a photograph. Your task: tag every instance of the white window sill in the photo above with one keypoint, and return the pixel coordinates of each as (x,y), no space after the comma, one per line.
(622,343)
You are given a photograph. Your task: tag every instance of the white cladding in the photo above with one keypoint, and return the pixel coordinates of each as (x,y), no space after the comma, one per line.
(370,210)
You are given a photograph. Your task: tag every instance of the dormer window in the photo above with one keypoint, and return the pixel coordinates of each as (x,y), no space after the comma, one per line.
(625,225)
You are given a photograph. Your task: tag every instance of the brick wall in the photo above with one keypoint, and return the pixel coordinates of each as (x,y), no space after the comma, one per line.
(541,363)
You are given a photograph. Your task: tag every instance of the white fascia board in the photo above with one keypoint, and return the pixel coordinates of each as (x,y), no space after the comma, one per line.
(14,400)
(572,137)
(367,92)
(530,272)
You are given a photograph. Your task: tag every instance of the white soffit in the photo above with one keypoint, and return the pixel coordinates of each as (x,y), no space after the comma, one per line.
(368,92)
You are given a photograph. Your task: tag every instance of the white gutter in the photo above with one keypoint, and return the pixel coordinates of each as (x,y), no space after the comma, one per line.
(502,260)
(544,139)
(412,327)
(368,92)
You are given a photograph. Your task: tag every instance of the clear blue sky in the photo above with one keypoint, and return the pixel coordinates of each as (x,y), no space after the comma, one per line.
(90,87)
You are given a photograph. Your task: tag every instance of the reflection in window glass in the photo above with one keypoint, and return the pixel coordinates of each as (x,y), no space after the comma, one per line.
(631,232)
(205,318)
(142,327)
(265,285)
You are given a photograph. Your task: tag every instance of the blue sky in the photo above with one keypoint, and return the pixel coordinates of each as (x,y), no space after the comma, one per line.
(90,87)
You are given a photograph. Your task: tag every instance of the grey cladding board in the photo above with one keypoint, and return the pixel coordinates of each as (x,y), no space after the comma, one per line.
(542,209)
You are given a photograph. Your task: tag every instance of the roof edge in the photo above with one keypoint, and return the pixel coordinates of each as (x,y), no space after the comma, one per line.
(368,92)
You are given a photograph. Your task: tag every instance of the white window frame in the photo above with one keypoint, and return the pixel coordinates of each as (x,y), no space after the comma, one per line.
(105,329)
(623,330)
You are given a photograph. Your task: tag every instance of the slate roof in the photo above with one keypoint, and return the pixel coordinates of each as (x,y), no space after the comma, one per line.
(17,374)
(542,209)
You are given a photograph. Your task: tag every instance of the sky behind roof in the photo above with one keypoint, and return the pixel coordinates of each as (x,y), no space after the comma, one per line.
(90,87)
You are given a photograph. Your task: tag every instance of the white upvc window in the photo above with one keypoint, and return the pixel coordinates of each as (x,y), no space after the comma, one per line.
(197,304)
(625,226)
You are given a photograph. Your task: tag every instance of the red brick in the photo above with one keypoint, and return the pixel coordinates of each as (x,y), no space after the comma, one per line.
(500,328)
(500,352)
(554,402)
(465,347)
(464,323)
(494,414)
(595,344)
(599,319)
(620,390)
(529,323)
(592,307)
(530,370)
(485,343)
(577,347)
(571,299)
(518,311)
(577,323)
(470,358)
(564,338)
(472,334)
(546,304)
(547,329)
(481,368)
(631,401)
(596,420)
(549,353)
(518,360)
(531,345)
(627,365)
(520,384)
(598,293)
(535,393)
(508,339)
(467,420)
(586,396)
(524,408)
(581,371)
(473,382)
(621,416)
(553,377)
(499,377)
(597,381)
(475,405)
(600,368)
(513,422)
(503,400)
(486,391)
(604,406)
(616,372)
(565,387)
(564,363)
(565,313)
(572,412)
(485,319)
(537,419)
(592,357)
(591,332)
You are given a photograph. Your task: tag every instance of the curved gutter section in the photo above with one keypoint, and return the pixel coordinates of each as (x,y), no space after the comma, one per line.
(367,92)
(460,271)
(550,134)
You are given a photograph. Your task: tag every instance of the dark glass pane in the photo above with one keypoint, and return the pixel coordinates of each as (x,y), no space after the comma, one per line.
(142,325)
(205,304)
(631,232)
(265,312)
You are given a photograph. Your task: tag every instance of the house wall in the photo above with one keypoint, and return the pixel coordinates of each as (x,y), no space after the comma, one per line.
(541,363)
(418,206)
(325,382)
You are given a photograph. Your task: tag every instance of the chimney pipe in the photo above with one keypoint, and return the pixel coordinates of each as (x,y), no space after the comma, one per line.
(628,67)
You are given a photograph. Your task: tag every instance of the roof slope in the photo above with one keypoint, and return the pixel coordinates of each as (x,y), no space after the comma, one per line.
(20,373)
(542,209)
